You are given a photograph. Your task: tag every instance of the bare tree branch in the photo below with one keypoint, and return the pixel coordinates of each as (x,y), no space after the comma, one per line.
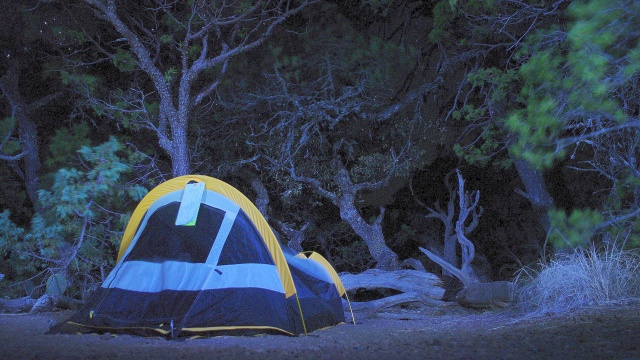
(468,205)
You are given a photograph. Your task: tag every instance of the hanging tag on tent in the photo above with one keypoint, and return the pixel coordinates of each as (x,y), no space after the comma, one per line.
(190,204)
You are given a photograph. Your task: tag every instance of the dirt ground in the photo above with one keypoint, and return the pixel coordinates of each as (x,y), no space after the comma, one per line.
(610,331)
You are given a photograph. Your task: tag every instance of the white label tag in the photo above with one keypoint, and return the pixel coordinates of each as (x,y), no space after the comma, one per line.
(190,204)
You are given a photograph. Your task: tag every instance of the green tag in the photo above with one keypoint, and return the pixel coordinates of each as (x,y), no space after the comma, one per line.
(190,204)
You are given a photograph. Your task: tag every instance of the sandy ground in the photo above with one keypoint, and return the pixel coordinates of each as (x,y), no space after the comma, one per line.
(610,331)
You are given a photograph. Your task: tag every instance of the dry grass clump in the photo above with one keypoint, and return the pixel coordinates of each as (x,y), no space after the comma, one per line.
(583,278)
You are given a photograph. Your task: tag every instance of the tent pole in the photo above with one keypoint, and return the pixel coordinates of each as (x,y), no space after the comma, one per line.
(353,318)
(304,326)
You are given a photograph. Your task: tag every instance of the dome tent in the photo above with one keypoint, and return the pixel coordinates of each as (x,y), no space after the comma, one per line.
(219,270)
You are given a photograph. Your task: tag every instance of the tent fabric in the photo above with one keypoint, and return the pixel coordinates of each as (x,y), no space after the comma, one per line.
(226,273)
(226,191)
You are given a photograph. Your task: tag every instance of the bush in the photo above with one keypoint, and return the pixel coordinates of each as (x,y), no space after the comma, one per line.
(585,277)
(74,239)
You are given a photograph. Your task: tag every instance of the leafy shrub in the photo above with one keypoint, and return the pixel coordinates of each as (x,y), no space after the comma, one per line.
(75,237)
(573,230)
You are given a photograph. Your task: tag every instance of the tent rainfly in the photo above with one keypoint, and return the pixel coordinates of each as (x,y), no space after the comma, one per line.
(198,258)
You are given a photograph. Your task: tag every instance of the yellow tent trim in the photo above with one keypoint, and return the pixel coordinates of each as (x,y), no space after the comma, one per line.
(218,328)
(160,331)
(332,272)
(334,276)
(193,330)
(230,192)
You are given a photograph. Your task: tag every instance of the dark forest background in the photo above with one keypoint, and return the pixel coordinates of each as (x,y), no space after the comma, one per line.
(344,121)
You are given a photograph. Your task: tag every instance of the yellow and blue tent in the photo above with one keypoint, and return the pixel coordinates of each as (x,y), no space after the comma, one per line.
(217,270)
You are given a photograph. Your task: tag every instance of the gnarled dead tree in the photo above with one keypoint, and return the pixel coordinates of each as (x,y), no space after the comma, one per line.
(468,205)
(345,199)
(447,217)
(474,293)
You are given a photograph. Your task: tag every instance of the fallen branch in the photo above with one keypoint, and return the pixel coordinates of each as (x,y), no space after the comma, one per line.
(400,299)
(50,302)
(15,306)
(415,287)
(406,281)
(42,304)
(446,266)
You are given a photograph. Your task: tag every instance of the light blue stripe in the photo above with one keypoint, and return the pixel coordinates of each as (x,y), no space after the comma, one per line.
(221,238)
(150,277)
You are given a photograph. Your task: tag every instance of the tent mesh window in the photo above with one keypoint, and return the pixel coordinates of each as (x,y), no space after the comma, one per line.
(161,240)
(244,244)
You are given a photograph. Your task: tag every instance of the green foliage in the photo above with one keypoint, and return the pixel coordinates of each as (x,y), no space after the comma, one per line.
(73,78)
(346,55)
(128,109)
(443,17)
(65,143)
(625,190)
(597,22)
(538,125)
(585,78)
(574,230)
(628,232)
(449,16)
(56,285)
(86,209)
(352,256)
(9,233)
(66,35)
(166,39)
(9,146)
(170,74)
(406,234)
(10,263)
(536,130)
(578,94)
(194,51)
(380,7)
(124,61)
(496,85)
(14,196)
(501,83)
(370,167)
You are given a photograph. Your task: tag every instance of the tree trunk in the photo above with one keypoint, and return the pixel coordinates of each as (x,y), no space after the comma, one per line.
(345,199)
(262,196)
(371,233)
(27,131)
(29,144)
(536,191)
(207,67)
(180,162)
